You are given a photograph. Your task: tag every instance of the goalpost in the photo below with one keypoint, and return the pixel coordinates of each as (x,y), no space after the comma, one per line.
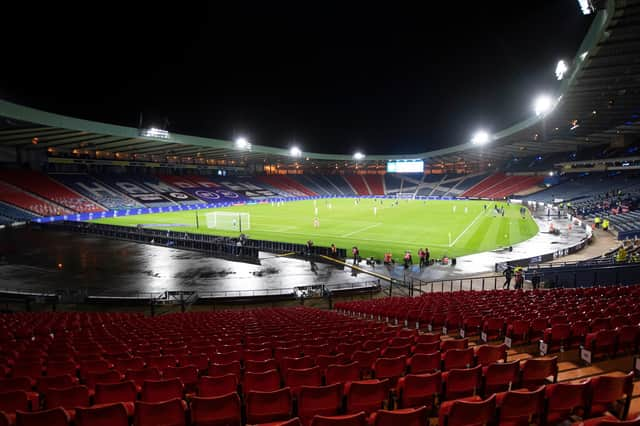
(229,221)
(405,195)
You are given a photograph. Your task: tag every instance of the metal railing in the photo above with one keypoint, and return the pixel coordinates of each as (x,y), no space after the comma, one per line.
(488,282)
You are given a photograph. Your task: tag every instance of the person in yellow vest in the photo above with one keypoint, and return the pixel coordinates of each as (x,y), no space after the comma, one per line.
(605,225)
(519,277)
(635,258)
(621,256)
(597,221)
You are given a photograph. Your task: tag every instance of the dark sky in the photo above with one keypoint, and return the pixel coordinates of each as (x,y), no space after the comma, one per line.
(386,78)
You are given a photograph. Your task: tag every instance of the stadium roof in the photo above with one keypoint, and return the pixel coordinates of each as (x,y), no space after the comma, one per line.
(599,99)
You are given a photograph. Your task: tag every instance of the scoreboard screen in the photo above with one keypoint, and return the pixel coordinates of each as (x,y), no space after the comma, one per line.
(405,166)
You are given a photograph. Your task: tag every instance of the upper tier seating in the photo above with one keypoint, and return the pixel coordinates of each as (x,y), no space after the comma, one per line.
(500,185)
(376,184)
(17,197)
(339,182)
(358,184)
(46,187)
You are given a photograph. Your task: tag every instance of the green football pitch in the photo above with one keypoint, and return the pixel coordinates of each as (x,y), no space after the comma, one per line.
(447,228)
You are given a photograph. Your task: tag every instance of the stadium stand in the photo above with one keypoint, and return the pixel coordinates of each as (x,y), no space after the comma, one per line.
(340,184)
(358,184)
(290,185)
(105,345)
(392,182)
(375,184)
(584,185)
(100,192)
(9,214)
(43,186)
(500,185)
(313,183)
(17,197)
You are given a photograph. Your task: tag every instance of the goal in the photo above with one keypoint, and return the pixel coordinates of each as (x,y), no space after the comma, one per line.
(406,195)
(229,221)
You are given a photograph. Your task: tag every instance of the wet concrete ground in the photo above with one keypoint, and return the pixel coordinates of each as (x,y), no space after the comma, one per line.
(31,259)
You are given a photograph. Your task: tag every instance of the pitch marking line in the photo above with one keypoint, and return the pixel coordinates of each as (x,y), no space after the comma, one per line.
(362,229)
(466,229)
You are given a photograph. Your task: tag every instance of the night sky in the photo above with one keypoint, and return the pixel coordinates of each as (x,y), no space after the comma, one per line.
(334,79)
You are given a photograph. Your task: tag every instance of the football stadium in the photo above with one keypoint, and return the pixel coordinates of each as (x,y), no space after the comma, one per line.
(194,269)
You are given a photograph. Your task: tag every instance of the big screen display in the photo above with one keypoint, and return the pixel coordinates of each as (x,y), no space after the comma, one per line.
(405,166)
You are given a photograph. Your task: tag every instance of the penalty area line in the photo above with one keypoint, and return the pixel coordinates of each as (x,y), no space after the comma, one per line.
(466,229)
(362,229)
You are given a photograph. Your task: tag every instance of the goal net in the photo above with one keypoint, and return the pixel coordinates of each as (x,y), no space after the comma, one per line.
(229,221)
(405,195)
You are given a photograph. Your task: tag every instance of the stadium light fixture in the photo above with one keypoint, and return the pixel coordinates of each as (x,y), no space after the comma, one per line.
(242,143)
(561,69)
(358,156)
(586,7)
(154,132)
(542,104)
(480,137)
(295,152)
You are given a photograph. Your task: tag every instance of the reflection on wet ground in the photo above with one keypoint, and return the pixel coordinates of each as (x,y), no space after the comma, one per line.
(36,259)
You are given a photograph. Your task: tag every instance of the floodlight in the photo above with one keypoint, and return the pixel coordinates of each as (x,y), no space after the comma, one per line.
(295,152)
(586,7)
(480,137)
(358,156)
(543,104)
(242,143)
(561,69)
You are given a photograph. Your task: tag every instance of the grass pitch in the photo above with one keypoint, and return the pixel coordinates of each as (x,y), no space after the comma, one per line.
(451,228)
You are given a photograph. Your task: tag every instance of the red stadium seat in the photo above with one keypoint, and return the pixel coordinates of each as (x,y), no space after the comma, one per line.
(323,361)
(424,363)
(342,373)
(52,417)
(217,386)
(467,412)
(222,410)
(296,378)
(500,377)
(124,392)
(104,415)
(68,398)
(606,390)
(415,390)
(488,354)
(229,368)
(406,417)
(188,375)
(565,400)
(12,401)
(458,358)
(319,400)
(44,383)
(521,406)
(459,383)
(265,407)
(161,390)
(166,413)
(357,419)
(260,366)
(445,345)
(139,376)
(538,371)
(365,395)
(264,382)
